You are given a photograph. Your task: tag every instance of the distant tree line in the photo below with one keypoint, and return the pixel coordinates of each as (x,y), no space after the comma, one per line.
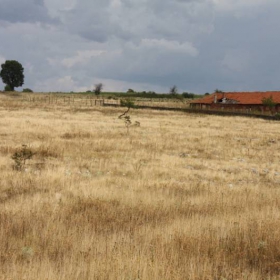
(12,75)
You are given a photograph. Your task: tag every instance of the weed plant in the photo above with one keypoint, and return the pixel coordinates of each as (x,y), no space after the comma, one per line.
(21,156)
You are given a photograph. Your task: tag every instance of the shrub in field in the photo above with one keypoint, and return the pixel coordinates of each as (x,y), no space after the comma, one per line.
(277,116)
(128,123)
(21,156)
(127,103)
(27,90)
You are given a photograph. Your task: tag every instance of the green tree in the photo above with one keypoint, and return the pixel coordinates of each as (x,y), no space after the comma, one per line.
(98,88)
(188,95)
(269,102)
(27,90)
(12,74)
(218,90)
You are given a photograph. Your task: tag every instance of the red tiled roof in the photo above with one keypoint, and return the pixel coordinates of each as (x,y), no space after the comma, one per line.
(250,98)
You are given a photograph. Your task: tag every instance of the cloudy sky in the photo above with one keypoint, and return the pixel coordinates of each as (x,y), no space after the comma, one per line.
(198,45)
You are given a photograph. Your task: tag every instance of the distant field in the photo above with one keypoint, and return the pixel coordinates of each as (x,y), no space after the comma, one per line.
(180,197)
(86,100)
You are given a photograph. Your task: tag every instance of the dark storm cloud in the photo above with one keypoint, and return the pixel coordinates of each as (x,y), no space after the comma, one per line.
(197,45)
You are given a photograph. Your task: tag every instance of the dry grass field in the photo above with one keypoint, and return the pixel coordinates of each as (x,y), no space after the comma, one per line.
(180,197)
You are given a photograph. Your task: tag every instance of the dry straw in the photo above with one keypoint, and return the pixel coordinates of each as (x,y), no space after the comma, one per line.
(181,197)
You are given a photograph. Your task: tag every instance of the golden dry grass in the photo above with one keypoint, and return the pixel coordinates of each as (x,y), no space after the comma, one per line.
(181,197)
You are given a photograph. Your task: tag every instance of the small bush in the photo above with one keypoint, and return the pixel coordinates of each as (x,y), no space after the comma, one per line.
(127,103)
(21,156)
(188,95)
(269,102)
(127,121)
(27,90)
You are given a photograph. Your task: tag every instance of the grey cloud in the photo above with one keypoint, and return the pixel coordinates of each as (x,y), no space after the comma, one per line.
(159,43)
(93,21)
(132,20)
(24,11)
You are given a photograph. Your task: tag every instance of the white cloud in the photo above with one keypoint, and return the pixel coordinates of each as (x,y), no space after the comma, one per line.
(82,57)
(63,84)
(68,83)
(169,46)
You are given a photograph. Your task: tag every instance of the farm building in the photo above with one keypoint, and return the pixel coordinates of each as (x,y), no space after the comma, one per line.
(240,101)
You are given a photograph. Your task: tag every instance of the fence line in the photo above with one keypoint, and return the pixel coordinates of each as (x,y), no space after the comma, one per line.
(93,101)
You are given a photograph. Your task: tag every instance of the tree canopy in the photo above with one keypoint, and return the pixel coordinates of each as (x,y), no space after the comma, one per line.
(98,88)
(12,74)
(269,102)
